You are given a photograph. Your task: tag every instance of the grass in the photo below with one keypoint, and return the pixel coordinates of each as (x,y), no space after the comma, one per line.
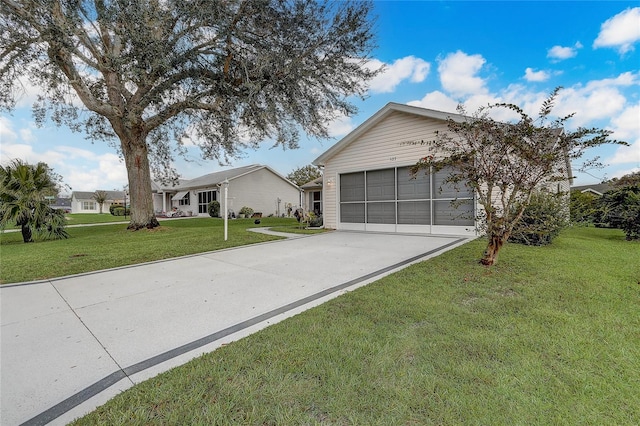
(101,247)
(91,218)
(547,336)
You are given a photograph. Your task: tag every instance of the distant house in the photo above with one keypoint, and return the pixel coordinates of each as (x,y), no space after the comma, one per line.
(83,202)
(313,195)
(596,189)
(256,186)
(61,203)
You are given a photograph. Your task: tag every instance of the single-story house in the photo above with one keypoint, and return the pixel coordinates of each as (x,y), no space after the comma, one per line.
(313,196)
(367,185)
(84,202)
(596,189)
(256,186)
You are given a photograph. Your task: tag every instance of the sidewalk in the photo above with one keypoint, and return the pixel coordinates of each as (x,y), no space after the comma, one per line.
(70,344)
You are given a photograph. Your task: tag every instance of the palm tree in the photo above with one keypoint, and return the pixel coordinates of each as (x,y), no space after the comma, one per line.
(22,190)
(100,197)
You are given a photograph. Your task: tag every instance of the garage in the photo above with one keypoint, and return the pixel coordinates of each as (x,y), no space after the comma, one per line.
(367,185)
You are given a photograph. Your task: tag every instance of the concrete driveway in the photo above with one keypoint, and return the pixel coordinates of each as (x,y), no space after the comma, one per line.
(70,344)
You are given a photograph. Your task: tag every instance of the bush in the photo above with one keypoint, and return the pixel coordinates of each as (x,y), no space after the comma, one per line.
(120,211)
(246,211)
(621,209)
(114,206)
(583,208)
(214,208)
(315,222)
(543,219)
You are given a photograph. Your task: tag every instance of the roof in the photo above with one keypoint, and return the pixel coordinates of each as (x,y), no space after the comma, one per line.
(379,116)
(312,184)
(85,195)
(217,178)
(598,188)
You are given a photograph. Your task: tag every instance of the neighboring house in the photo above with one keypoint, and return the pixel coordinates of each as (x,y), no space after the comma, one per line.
(256,186)
(61,203)
(313,196)
(596,189)
(367,185)
(83,202)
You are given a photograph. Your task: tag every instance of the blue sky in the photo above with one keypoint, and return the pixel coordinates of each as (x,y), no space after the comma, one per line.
(436,53)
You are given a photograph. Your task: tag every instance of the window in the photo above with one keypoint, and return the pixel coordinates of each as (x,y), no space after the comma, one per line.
(185,201)
(204,198)
(88,205)
(316,204)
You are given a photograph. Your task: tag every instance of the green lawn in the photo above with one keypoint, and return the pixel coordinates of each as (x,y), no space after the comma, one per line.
(90,218)
(99,247)
(550,335)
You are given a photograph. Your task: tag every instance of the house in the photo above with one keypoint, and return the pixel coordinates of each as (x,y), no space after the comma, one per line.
(313,196)
(256,186)
(61,203)
(596,189)
(84,202)
(367,185)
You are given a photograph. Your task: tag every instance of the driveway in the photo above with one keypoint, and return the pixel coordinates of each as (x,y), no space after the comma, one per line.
(70,344)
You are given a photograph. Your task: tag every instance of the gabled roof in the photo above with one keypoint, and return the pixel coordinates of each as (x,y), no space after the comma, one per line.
(376,118)
(598,188)
(315,183)
(85,195)
(216,178)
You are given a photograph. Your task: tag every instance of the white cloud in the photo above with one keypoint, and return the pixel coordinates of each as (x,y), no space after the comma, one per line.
(438,101)
(408,68)
(620,31)
(458,74)
(532,76)
(559,53)
(340,126)
(626,126)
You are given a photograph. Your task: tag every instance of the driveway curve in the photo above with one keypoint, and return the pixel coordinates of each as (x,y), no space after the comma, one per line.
(67,345)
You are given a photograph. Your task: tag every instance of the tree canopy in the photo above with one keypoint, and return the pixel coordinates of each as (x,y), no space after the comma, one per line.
(305,174)
(505,162)
(23,188)
(150,74)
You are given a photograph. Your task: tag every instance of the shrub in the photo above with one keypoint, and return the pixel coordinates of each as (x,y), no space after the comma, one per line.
(621,209)
(120,211)
(543,219)
(583,207)
(114,206)
(214,208)
(246,211)
(315,222)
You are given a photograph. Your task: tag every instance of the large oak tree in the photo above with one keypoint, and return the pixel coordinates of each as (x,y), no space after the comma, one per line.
(148,73)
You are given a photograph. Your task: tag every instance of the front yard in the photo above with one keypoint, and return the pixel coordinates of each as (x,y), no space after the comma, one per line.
(550,335)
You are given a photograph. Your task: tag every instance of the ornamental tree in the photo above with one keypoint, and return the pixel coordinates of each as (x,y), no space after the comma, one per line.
(505,162)
(145,73)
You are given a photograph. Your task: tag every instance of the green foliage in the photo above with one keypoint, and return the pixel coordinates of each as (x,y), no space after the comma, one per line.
(305,174)
(505,162)
(22,190)
(583,207)
(114,206)
(218,70)
(214,208)
(621,209)
(121,211)
(246,211)
(542,220)
(630,179)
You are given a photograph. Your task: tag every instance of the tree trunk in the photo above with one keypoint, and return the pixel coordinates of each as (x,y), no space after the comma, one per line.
(136,157)
(490,255)
(27,234)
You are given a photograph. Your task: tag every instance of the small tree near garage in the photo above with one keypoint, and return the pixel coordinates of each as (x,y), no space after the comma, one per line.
(505,162)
